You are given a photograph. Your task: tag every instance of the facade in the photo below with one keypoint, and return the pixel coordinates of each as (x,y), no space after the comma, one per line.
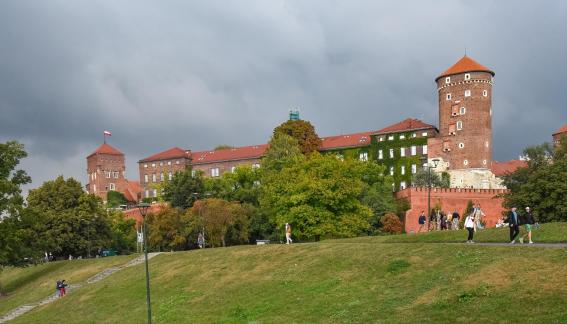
(562,132)
(215,163)
(155,169)
(105,171)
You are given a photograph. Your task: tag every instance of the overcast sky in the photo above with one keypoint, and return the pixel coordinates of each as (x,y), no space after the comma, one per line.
(196,74)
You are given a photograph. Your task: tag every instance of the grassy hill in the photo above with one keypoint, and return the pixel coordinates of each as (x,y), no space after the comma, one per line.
(329,282)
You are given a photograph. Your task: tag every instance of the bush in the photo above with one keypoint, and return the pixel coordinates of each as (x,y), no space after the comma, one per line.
(391,224)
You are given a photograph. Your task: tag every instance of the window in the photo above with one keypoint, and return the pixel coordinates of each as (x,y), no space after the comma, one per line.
(413,168)
(94,188)
(402,136)
(95,175)
(448,97)
(463,110)
(380,155)
(414,135)
(112,186)
(402,185)
(484,162)
(466,162)
(381,138)
(402,151)
(461,145)
(403,170)
(467,93)
(255,165)
(168,162)
(340,157)
(161,178)
(424,134)
(153,165)
(391,138)
(467,76)
(485,93)
(454,110)
(107,174)
(413,150)
(176,162)
(232,169)
(391,170)
(391,153)
(145,178)
(154,178)
(452,129)
(193,173)
(116,174)
(147,193)
(424,149)
(485,144)
(459,125)
(155,192)
(447,80)
(170,175)
(161,164)
(145,165)
(214,172)
(446,146)
(363,156)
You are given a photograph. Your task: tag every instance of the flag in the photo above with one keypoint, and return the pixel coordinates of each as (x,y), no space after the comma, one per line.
(107,133)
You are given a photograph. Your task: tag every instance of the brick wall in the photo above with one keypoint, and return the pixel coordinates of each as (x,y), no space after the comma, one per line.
(157,168)
(99,164)
(451,199)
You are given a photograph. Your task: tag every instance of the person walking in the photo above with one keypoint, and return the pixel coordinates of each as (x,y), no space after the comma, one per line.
(288,239)
(514,224)
(528,220)
(443,221)
(478,216)
(201,240)
(421,221)
(432,220)
(455,220)
(470,226)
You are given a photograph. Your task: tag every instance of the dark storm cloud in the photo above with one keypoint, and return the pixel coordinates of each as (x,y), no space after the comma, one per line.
(196,74)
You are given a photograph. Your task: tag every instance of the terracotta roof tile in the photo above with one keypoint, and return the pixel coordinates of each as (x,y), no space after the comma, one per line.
(237,153)
(341,141)
(502,168)
(561,130)
(404,125)
(172,153)
(133,189)
(466,64)
(106,149)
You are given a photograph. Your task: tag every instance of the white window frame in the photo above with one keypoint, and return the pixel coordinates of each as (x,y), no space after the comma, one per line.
(256,166)
(414,135)
(424,134)
(414,168)
(424,149)
(391,138)
(402,185)
(155,193)
(466,162)
(467,76)
(402,151)
(154,177)
(447,80)
(459,125)
(147,193)
(112,186)
(462,110)
(177,162)
(413,150)
(215,172)
(170,176)
(153,165)
(402,136)
(108,174)
(461,145)
(116,174)
(94,187)
(168,162)
(145,165)
(161,164)
(232,169)
(448,97)
(363,156)
(403,170)
(467,93)
(146,178)
(193,173)
(485,93)
(381,139)
(380,155)
(391,153)
(391,170)
(161,177)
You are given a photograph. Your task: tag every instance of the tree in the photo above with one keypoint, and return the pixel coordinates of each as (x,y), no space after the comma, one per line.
(376,193)
(123,233)
(242,185)
(181,191)
(319,197)
(168,230)
(11,180)
(391,224)
(421,179)
(282,150)
(303,132)
(223,222)
(114,199)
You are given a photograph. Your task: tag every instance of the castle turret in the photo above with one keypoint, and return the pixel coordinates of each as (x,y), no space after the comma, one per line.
(105,171)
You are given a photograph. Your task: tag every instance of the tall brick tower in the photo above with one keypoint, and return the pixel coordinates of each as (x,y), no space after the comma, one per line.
(105,171)
(465,115)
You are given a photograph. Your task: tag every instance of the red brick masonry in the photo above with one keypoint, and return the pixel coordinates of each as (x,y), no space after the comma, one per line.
(451,199)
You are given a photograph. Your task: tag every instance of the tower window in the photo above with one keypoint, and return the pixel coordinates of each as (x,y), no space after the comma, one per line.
(467,93)
(466,162)
(459,125)
(448,96)
(485,93)
(463,110)
(447,80)
(467,76)
(112,186)
(461,145)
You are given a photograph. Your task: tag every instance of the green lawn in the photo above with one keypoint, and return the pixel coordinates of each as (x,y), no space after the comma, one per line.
(31,284)
(330,282)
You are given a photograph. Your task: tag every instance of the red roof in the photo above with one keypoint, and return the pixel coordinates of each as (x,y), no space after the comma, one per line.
(106,149)
(404,125)
(466,64)
(349,140)
(172,153)
(503,168)
(237,153)
(561,130)
(133,189)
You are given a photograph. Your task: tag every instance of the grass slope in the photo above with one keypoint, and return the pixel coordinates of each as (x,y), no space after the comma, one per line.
(330,283)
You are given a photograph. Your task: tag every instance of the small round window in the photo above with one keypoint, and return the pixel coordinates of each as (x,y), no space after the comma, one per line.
(466,162)
(461,145)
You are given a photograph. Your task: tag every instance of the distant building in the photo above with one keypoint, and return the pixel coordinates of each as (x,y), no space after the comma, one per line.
(562,132)
(161,166)
(106,172)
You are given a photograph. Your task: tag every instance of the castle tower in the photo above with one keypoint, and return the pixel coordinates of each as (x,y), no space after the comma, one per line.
(465,115)
(105,171)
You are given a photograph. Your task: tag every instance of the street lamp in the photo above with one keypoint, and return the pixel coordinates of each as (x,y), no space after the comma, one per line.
(143,207)
(429,167)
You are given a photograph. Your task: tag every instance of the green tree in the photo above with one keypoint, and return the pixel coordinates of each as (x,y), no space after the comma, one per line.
(168,230)
(123,233)
(421,179)
(319,197)
(242,185)
(11,180)
(223,222)
(303,132)
(184,188)
(114,199)
(282,150)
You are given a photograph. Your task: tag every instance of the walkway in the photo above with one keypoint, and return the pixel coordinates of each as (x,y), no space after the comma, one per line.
(96,278)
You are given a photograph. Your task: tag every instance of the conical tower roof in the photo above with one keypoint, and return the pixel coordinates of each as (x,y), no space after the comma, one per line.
(465,64)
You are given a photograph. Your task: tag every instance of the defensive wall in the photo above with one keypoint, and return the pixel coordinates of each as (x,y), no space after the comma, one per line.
(451,199)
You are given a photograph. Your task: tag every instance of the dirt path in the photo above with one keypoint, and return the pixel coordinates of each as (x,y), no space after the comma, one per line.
(97,277)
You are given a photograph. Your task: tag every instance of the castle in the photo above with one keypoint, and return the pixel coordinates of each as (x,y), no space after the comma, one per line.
(460,146)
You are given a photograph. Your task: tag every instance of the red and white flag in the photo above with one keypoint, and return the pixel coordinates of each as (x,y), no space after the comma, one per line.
(107,133)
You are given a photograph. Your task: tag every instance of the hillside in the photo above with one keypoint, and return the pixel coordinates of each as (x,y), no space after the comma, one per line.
(329,282)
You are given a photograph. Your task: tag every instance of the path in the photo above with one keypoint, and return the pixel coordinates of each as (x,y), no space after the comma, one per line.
(97,277)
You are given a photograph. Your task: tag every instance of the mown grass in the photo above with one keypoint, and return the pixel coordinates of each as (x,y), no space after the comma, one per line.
(546,233)
(33,283)
(330,283)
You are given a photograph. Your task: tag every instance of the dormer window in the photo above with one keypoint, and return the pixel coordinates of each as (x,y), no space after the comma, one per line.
(447,80)
(467,76)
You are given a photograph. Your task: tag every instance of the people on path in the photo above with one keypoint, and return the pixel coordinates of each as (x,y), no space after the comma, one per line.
(478,216)
(455,220)
(528,220)
(288,239)
(421,220)
(514,224)
(438,219)
(443,225)
(61,287)
(470,226)
(432,224)
(201,240)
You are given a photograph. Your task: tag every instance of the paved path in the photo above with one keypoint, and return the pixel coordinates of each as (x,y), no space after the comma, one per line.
(51,298)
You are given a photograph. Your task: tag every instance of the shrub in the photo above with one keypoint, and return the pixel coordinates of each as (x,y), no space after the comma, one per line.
(391,224)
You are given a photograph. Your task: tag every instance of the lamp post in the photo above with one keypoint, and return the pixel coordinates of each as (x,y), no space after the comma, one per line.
(143,207)
(429,167)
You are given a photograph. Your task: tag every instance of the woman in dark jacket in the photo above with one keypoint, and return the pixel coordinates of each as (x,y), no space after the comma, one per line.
(527,219)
